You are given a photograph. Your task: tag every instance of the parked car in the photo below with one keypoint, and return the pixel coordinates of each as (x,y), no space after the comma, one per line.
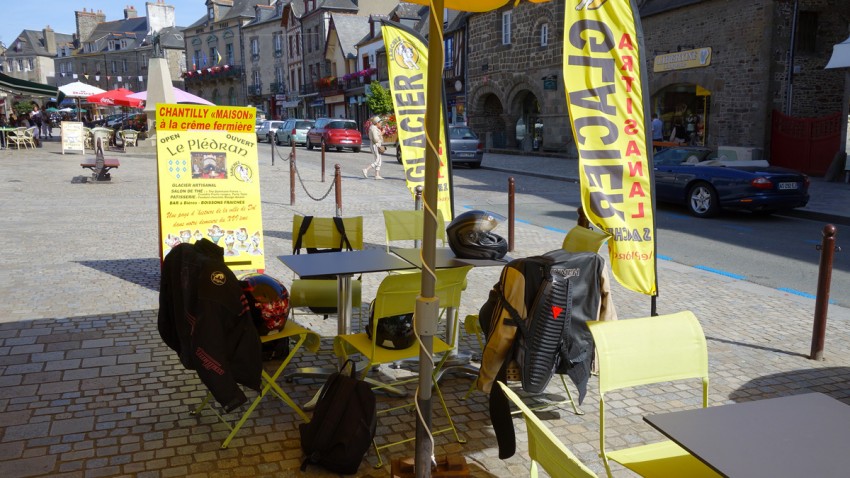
(293,130)
(267,130)
(707,182)
(464,147)
(335,133)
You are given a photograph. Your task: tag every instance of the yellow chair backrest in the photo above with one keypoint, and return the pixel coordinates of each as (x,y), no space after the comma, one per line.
(407,225)
(397,293)
(649,350)
(323,234)
(582,239)
(545,448)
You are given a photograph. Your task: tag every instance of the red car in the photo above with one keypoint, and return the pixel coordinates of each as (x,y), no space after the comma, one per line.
(335,133)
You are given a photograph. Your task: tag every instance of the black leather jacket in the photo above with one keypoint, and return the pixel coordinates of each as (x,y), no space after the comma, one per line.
(204,317)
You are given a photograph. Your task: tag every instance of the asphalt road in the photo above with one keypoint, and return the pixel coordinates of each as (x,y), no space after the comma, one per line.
(774,251)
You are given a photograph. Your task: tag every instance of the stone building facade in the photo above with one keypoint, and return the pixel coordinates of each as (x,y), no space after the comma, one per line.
(516,96)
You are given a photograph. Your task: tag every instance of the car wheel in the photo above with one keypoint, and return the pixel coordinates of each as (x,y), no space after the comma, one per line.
(356,150)
(339,148)
(702,200)
(398,154)
(309,144)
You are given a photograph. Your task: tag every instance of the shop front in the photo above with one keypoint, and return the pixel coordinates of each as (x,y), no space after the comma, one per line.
(683,107)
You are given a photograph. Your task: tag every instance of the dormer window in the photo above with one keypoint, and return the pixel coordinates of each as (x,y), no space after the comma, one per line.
(211,13)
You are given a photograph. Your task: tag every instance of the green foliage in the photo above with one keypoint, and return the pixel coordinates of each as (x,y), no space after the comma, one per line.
(22,107)
(380,100)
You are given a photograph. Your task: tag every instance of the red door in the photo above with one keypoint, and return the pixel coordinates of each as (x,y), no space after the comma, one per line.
(804,144)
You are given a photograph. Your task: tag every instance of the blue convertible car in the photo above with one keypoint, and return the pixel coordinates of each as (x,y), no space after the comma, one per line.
(707,182)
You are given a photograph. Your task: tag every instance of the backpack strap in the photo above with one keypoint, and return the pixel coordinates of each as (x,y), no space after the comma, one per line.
(340,226)
(500,416)
(305,224)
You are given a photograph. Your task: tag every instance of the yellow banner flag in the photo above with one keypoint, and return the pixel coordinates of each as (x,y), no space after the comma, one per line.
(407,64)
(209,184)
(604,84)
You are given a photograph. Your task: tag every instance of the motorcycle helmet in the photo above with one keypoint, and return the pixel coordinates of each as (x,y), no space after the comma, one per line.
(470,236)
(268,300)
(394,333)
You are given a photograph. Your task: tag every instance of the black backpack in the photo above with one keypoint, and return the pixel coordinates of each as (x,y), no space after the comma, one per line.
(343,424)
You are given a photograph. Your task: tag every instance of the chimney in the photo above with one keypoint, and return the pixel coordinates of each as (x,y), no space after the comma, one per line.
(130,12)
(86,23)
(49,40)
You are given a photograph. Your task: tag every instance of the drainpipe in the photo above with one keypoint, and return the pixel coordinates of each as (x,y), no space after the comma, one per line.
(789,89)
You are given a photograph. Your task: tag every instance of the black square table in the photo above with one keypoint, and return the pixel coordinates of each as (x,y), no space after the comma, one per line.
(445,258)
(804,435)
(343,265)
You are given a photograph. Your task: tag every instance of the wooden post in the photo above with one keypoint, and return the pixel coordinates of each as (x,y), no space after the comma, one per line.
(827,251)
(511,196)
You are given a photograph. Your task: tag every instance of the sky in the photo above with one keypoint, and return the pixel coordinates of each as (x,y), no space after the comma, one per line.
(59,14)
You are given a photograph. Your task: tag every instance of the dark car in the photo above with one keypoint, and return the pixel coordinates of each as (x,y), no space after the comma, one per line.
(464,147)
(335,133)
(707,182)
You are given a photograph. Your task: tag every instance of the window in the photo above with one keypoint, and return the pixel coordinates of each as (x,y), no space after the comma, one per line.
(291,49)
(255,47)
(544,34)
(124,65)
(506,28)
(278,73)
(278,44)
(114,65)
(292,78)
(213,56)
(229,50)
(30,64)
(62,68)
(196,59)
(257,79)
(85,68)
(211,13)
(20,64)
(449,52)
(807,29)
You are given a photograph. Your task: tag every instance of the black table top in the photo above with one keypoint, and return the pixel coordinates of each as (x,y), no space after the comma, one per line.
(344,263)
(795,436)
(445,258)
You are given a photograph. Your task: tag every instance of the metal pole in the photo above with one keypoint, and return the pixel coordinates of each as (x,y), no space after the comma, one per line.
(273,145)
(427,304)
(827,251)
(338,189)
(292,178)
(323,161)
(511,215)
(417,205)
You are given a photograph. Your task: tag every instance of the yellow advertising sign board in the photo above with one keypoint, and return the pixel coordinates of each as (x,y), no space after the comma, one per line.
(682,60)
(407,63)
(602,77)
(209,185)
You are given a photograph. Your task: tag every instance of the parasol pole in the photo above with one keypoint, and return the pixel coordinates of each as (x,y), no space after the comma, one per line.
(427,304)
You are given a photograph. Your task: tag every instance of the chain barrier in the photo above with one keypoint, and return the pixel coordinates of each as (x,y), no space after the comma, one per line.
(304,187)
(288,157)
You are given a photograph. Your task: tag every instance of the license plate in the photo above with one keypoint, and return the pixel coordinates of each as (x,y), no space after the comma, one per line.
(789,185)
(346,141)
(465,155)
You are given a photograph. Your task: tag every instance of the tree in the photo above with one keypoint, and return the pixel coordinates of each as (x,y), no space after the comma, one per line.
(379,100)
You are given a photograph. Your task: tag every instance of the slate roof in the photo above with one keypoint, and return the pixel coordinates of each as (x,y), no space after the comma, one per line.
(267,14)
(350,30)
(239,9)
(32,43)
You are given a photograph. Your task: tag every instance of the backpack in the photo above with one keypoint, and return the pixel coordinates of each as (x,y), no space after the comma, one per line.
(538,310)
(343,424)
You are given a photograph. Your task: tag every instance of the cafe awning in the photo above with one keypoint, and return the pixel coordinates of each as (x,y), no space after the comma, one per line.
(840,55)
(24,87)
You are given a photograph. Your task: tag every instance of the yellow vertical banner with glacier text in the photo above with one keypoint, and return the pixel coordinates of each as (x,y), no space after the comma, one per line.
(407,64)
(209,184)
(603,80)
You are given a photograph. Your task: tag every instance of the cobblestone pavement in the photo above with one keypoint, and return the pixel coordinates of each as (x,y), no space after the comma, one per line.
(88,389)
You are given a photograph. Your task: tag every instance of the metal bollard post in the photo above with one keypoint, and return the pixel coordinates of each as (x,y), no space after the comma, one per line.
(338,188)
(323,161)
(511,194)
(417,205)
(827,251)
(273,145)
(292,178)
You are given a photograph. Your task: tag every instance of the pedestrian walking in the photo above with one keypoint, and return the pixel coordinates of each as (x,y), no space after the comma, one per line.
(376,138)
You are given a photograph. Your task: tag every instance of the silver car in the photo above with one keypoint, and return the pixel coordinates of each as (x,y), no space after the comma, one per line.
(266,131)
(464,147)
(293,130)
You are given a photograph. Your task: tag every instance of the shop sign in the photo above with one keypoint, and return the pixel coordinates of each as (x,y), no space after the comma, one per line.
(550,82)
(334,99)
(683,60)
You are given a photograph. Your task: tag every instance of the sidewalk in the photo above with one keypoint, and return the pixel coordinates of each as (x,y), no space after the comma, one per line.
(88,389)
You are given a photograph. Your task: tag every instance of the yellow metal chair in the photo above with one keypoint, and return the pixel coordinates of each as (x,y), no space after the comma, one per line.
(129,137)
(407,225)
(18,137)
(545,448)
(397,295)
(306,338)
(647,351)
(322,233)
(582,239)
(472,326)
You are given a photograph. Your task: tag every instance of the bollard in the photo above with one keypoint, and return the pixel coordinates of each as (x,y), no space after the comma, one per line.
(272,141)
(417,198)
(292,178)
(323,161)
(827,251)
(511,194)
(337,188)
